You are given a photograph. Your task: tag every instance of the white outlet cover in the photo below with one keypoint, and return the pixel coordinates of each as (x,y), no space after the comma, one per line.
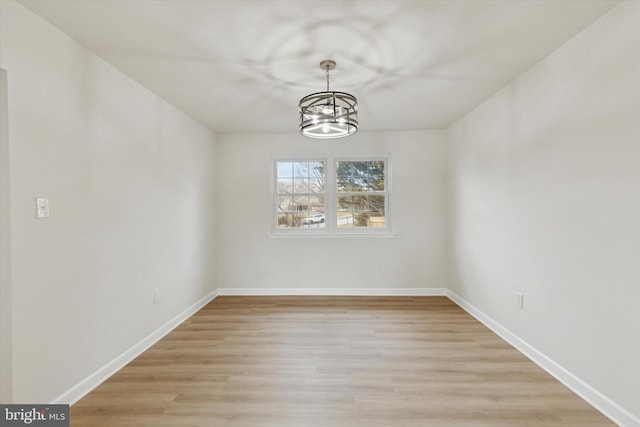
(42,208)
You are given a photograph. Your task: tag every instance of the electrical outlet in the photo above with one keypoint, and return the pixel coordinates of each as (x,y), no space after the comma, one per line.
(519,300)
(42,208)
(156,296)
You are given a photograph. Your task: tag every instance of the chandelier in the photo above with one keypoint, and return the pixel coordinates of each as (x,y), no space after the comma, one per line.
(327,115)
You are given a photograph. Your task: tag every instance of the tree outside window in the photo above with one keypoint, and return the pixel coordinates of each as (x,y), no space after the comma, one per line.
(361,194)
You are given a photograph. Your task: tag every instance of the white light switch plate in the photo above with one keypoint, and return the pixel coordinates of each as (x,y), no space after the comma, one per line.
(519,300)
(42,208)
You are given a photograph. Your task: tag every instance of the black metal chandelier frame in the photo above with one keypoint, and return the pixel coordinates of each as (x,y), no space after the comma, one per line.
(328,114)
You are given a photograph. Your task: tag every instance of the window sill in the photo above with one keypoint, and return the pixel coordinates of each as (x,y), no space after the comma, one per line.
(323,235)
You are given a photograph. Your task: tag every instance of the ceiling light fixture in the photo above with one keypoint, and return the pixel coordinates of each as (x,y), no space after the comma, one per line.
(328,115)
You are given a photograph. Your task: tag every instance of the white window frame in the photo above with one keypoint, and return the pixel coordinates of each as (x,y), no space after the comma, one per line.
(330,211)
(275,194)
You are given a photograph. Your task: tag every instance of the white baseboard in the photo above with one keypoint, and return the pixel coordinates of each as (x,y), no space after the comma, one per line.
(95,379)
(599,401)
(332,292)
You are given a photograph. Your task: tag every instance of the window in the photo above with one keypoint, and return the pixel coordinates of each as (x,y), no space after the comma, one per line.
(300,194)
(360,193)
(331,195)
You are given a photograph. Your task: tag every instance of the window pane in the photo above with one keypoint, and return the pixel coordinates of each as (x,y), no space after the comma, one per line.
(300,220)
(361,219)
(300,200)
(344,220)
(285,203)
(360,211)
(298,217)
(301,204)
(359,176)
(316,185)
(345,203)
(316,177)
(342,184)
(285,220)
(316,204)
(316,169)
(376,205)
(314,220)
(377,213)
(360,203)
(376,221)
(285,169)
(285,185)
(301,185)
(376,183)
(301,169)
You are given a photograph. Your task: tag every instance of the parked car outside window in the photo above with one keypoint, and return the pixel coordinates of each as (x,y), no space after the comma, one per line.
(313,219)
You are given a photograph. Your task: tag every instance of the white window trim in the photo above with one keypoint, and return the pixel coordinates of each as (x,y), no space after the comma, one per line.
(331,230)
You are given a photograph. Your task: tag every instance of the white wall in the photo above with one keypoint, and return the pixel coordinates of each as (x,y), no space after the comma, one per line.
(131,188)
(545,200)
(249,258)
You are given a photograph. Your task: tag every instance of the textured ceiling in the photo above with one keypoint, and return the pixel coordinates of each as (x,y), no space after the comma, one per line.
(242,66)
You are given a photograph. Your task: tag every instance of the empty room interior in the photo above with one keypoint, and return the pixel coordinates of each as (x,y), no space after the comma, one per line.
(320,213)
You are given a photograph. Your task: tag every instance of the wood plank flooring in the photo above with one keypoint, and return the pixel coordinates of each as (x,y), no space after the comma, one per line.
(332,361)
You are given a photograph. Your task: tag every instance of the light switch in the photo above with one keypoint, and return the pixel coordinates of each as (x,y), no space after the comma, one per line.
(42,208)
(519,300)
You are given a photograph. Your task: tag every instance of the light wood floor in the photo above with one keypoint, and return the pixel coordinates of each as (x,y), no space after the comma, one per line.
(332,361)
